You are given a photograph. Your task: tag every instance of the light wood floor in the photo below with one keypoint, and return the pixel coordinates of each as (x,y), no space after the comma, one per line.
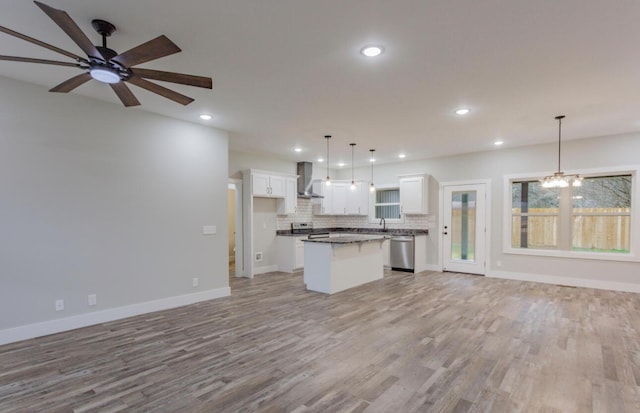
(427,343)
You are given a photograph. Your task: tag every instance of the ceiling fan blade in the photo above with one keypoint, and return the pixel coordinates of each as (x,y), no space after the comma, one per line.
(184,79)
(70,84)
(39,43)
(125,94)
(62,19)
(43,61)
(160,90)
(159,47)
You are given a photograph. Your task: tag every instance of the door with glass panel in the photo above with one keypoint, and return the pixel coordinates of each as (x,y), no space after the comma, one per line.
(463,229)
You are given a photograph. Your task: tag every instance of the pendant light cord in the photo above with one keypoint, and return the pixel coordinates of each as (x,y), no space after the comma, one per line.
(559,139)
(327,137)
(352,147)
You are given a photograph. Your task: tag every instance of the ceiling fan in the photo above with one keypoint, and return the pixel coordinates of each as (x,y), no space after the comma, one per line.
(107,66)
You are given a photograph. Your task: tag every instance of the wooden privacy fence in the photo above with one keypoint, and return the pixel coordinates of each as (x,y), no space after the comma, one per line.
(605,229)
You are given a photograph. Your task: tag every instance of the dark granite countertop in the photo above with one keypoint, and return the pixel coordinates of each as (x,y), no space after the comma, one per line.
(363,231)
(348,239)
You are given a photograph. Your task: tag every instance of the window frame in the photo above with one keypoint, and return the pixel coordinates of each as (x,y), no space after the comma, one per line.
(634,236)
(372,206)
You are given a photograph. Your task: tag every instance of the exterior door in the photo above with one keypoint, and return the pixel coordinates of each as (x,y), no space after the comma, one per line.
(464,230)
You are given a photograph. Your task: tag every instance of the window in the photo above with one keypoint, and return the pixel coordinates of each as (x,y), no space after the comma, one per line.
(535,213)
(387,203)
(592,218)
(601,215)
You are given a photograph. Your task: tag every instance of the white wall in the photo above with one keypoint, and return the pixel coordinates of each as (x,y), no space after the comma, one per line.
(264,232)
(241,161)
(100,199)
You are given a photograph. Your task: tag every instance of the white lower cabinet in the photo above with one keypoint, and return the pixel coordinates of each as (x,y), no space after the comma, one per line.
(290,253)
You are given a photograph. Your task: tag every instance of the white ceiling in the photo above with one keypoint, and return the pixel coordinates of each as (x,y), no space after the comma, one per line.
(287,72)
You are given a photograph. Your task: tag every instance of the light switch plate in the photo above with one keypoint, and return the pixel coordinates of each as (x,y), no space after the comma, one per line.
(209,230)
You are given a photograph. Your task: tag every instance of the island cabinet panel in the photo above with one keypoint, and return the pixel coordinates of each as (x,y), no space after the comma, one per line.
(386,254)
(341,263)
(414,190)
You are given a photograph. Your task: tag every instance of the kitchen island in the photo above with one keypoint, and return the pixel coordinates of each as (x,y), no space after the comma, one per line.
(336,264)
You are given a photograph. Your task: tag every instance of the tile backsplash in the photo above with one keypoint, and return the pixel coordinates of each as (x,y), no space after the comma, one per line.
(304,213)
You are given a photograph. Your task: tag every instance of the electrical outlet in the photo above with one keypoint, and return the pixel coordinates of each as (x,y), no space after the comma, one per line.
(92,299)
(258,256)
(59,305)
(195,282)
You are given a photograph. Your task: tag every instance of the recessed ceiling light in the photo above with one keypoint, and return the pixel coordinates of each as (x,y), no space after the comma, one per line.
(341,164)
(298,149)
(402,156)
(462,111)
(320,160)
(205,117)
(498,142)
(372,51)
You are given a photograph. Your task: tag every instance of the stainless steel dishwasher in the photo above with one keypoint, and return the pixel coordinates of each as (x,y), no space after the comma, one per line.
(402,253)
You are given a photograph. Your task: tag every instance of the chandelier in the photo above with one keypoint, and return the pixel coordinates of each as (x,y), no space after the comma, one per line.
(559,179)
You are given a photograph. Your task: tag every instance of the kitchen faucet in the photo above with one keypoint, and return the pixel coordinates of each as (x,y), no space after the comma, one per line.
(383,223)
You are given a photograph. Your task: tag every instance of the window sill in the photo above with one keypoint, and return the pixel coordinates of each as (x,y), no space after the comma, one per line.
(574,254)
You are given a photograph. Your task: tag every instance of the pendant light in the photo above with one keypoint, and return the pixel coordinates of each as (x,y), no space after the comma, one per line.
(353,182)
(372,188)
(328,181)
(559,179)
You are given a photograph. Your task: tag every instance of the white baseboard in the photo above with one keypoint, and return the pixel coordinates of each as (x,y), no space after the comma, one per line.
(266,268)
(44,328)
(433,267)
(569,281)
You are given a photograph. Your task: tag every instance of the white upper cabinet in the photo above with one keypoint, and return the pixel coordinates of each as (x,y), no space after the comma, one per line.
(278,186)
(339,199)
(265,185)
(289,204)
(323,206)
(414,194)
(358,199)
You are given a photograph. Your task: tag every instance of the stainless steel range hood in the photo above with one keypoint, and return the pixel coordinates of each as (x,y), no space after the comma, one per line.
(305,182)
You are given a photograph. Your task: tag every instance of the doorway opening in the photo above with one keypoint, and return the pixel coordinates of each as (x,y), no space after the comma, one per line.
(234,218)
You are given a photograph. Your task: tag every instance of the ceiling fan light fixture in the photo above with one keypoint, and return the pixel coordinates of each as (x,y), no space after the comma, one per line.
(104,74)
